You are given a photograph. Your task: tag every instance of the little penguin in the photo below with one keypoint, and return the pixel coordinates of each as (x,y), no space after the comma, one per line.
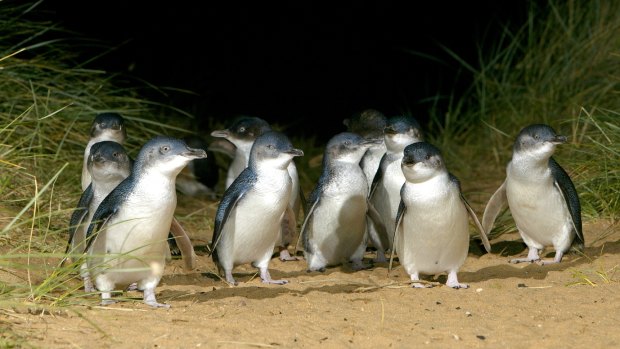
(126,239)
(541,196)
(399,132)
(335,225)
(248,218)
(432,226)
(108,164)
(105,127)
(242,133)
(370,124)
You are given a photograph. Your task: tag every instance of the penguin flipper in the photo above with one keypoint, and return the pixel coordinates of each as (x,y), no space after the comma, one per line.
(563,182)
(496,203)
(378,175)
(77,217)
(474,217)
(399,218)
(304,235)
(378,223)
(184,243)
(231,198)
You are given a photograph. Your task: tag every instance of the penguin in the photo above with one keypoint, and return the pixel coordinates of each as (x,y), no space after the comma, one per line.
(399,132)
(249,216)
(432,226)
(369,124)
(108,164)
(111,127)
(105,127)
(540,195)
(242,133)
(126,239)
(200,176)
(335,225)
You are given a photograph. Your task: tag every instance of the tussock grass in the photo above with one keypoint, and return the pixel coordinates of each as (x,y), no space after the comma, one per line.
(560,68)
(49,102)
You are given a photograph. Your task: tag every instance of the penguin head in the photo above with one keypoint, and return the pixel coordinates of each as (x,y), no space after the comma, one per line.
(274,149)
(109,126)
(166,155)
(369,123)
(243,130)
(401,131)
(537,141)
(421,161)
(348,147)
(108,160)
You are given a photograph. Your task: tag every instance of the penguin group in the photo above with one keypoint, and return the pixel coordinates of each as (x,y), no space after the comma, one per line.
(383,189)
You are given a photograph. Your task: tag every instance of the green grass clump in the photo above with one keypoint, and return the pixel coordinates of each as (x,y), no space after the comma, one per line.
(49,101)
(560,68)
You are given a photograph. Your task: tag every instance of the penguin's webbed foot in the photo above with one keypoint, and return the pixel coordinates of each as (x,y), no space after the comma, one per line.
(532,257)
(266,278)
(454,282)
(523,260)
(285,255)
(106,298)
(149,298)
(417,283)
(230,279)
(88,285)
(359,265)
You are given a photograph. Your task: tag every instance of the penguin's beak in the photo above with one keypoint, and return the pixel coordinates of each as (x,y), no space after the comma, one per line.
(193,153)
(220,133)
(408,161)
(389,130)
(295,152)
(559,140)
(371,141)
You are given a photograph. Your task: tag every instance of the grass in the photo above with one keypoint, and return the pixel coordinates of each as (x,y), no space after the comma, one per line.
(560,68)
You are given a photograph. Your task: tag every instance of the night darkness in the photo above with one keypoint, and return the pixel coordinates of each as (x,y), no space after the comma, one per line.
(292,62)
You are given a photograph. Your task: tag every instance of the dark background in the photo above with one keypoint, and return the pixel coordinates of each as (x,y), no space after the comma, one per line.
(293,62)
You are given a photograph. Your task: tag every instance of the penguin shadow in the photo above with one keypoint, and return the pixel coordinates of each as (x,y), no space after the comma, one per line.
(504,251)
(255,292)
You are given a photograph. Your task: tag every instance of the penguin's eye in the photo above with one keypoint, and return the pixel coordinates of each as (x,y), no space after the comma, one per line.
(347,143)
(165,149)
(116,155)
(536,137)
(241,129)
(271,146)
(427,157)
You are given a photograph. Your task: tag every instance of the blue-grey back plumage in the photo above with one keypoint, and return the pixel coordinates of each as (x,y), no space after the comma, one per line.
(540,195)
(248,219)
